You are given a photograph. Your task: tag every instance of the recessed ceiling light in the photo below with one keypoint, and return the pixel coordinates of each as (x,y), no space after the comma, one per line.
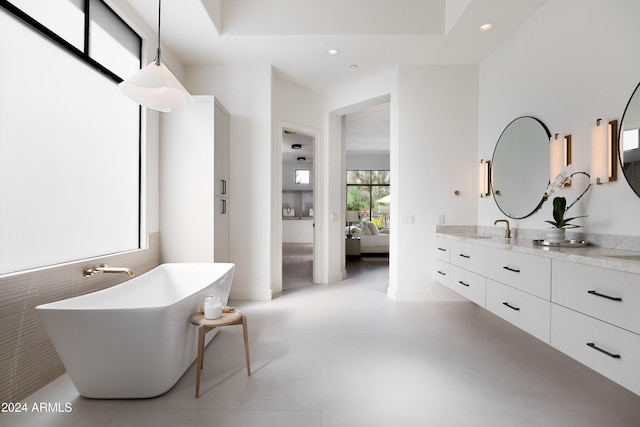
(487,27)
(333,52)
(354,66)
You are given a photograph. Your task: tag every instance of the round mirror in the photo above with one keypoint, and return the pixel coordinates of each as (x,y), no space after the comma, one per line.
(628,142)
(520,167)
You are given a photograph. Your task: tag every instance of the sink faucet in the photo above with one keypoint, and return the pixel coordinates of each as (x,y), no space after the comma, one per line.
(104,268)
(507,232)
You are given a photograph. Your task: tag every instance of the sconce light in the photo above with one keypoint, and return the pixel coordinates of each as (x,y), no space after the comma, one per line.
(296,146)
(485,178)
(301,159)
(560,149)
(604,151)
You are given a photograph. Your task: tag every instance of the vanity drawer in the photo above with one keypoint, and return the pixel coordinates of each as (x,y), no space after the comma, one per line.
(442,272)
(526,311)
(529,273)
(468,256)
(442,249)
(587,339)
(468,284)
(609,295)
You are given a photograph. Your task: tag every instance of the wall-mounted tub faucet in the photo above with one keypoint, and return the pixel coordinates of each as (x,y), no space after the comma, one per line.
(104,268)
(507,232)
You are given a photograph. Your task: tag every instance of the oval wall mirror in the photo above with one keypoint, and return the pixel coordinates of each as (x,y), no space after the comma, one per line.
(628,141)
(520,167)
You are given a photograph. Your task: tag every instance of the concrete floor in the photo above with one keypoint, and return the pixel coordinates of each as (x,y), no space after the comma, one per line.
(345,355)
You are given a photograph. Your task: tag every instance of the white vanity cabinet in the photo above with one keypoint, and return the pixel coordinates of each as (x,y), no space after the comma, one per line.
(529,273)
(518,290)
(588,312)
(466,271)
(528,312)
(595,319)
(442,261)
(195,202)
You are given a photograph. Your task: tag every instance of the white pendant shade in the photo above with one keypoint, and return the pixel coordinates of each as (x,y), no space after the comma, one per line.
(156,87)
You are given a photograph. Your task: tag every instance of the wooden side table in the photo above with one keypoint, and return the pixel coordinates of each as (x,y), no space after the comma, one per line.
(206,325)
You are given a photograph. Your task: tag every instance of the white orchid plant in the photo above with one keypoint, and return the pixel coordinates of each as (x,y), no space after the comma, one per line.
(560,207)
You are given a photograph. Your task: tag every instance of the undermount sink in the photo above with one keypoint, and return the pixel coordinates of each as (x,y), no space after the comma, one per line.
(625,257)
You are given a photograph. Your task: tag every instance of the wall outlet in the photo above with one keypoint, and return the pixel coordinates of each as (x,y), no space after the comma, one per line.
(257,278)
(440,218)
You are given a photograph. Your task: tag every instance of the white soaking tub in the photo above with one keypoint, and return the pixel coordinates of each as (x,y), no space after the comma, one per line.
(134,340)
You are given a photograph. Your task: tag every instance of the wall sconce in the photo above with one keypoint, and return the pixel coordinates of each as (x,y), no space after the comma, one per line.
(485,178)
(604,151)
(560,149)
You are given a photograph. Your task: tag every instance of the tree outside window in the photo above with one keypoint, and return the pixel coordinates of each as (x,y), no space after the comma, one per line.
(365,189)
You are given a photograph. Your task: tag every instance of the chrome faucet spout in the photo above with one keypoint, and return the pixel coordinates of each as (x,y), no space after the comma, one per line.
(105,268)
(507,232)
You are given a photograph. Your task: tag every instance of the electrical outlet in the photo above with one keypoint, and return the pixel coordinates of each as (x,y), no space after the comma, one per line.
(257,278)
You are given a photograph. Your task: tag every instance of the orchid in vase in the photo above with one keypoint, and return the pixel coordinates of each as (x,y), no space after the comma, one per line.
(560,222)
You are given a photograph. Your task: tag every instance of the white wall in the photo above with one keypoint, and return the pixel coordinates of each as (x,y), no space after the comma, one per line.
(245,90)
(433,154)
(574,61)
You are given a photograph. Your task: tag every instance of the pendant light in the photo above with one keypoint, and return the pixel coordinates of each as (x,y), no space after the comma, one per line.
(155,86)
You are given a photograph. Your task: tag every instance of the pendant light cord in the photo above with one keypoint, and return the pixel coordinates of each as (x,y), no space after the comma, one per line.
(158,50)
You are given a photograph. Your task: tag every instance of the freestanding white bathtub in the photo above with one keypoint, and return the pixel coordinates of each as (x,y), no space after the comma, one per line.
(134,340)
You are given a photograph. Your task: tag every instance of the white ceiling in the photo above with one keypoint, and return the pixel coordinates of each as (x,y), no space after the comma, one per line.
(372,36)
(294,35)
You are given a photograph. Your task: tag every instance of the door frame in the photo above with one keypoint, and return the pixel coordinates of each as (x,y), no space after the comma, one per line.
(277,202)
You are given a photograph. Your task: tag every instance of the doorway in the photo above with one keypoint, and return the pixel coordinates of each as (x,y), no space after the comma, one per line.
(298,208)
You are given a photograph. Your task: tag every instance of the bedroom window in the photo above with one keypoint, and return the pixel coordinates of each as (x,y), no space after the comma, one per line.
(368,192)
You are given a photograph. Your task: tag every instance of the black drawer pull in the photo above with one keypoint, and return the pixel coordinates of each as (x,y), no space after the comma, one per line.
(463,284)
(511,307)
(515,270)
(442,249)
(598,294)
(595,347)
(443,273)
(464,256)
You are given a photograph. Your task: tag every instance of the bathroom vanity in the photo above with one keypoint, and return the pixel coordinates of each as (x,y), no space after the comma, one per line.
(583,301)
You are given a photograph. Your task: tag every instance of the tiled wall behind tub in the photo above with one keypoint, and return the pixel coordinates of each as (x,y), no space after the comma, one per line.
(28,360)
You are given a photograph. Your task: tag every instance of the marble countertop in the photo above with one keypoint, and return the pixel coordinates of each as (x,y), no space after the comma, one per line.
(615,259)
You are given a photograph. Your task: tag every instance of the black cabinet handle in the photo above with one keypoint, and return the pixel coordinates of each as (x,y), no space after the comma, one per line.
(442,273)
(515,270)
(598,294)
(463,284)
(442,249)
(595,347)
(223,188)
(464,256)
(511,307)
(223,208)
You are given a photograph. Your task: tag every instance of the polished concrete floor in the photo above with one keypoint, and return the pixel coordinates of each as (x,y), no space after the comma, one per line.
(345,355)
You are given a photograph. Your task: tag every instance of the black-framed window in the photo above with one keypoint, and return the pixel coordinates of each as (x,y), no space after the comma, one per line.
(87,29)
(368,193)
(70,144)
